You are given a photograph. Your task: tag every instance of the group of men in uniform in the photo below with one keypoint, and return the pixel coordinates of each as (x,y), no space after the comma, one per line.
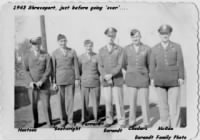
(162,66)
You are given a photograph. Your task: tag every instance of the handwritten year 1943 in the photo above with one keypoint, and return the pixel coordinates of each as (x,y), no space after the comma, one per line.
(19,7)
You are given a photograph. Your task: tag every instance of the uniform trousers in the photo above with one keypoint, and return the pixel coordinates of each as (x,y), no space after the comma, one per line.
(117,94)
(66,101)
(144,99)
(95,98)
(169,106)
(44,96)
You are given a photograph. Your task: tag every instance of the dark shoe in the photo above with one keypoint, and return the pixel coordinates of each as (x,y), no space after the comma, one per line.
(83,123)
(70,125)
(50,126)
(107,125)
(79,124)
(62,124)
(35,125)
(145,126)
(96,121)
(132,126)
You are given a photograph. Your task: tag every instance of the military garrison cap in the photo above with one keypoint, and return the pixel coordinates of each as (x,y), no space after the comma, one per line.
(110,31)
(88,41)
(165,29)
(61,36)
(36,41)
(134,31)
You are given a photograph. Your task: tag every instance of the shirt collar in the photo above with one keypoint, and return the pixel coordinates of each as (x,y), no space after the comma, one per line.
(36,53)
(114,46)
(139,47)
(64,50)
(89,54)
(168,46)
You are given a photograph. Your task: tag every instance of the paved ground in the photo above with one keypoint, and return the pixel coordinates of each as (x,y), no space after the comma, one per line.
(23,114)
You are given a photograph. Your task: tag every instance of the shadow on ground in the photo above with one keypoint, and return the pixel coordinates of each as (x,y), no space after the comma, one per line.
(22,107)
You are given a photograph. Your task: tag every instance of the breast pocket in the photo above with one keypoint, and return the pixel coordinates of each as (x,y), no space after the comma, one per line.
(129,54)
(172,57)
(114,59)
(69,59)
(94,61)
(143,57)
(115,53)
(42,61)
(103,57)
(131,58)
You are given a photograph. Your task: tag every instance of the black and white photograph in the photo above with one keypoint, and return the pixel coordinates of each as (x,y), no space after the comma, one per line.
(100,70)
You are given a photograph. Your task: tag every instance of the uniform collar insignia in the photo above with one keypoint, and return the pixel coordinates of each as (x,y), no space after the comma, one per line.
(113,48)
(89,54)
(140,49)
(36,53)
(169,45)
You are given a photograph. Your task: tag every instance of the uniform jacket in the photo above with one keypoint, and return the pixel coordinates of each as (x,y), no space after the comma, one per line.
(38,68)
(65,67)
(167,65)
(89,70)
(111,63)
(137,65)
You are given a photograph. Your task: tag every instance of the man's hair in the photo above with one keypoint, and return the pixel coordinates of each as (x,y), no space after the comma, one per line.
(134,31)
(61,36)
(88,41)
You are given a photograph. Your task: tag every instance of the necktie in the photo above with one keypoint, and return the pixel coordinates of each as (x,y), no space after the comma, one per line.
(89,56)
(110,48)
(165,45)
(36,53)
(136,48)
(64,51)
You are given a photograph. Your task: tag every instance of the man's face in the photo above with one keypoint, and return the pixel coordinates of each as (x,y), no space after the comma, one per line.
(36,47)
(165,37)
(62,42)
(111,39)
(89,47)
(136,38)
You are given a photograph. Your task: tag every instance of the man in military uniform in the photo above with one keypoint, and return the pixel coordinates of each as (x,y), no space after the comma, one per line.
(167,74)
(37,70)
(65,72)
(136,62)
(110,67)
(90,81)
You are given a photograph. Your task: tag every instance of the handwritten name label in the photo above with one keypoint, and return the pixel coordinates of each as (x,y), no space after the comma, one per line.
(137,137)
(27,130)
(67,129)
(137,128)
(165,128)
(112,130)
